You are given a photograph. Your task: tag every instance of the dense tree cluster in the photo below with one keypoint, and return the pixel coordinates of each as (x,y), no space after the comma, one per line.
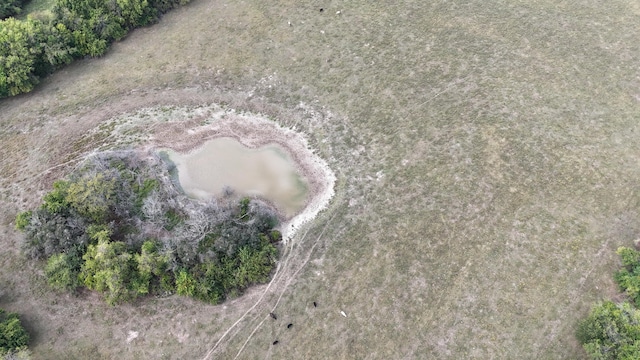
(612,331)
(119,225)
(32,48)
(13,337)
(10,8)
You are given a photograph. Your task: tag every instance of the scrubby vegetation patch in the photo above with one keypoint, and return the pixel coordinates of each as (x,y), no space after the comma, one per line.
(120,225)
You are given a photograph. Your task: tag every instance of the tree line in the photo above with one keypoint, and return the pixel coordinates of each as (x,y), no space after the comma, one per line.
(120,225)
(35,47)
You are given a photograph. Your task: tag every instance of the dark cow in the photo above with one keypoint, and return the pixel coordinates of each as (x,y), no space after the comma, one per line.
(273,316)
(276,342)
(289,326)
(315,304)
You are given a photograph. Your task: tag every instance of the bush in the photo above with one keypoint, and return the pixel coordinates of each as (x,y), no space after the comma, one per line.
(109,268)
(612,331)
(92,196)
(18,55)
(185,283)
(63,270)
(48,233)
(23,219)
(628,278)
(12,335)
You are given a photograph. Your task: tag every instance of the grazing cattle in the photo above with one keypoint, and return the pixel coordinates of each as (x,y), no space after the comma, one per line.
(276,342)
(289,326)
(321,9)
(273,316)
(315,304)
(343,314)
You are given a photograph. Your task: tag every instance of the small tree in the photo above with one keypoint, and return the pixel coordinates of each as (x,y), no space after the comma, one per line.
(629,276)
(63,270)
(23,219)
(109,268)
(612,331)
(12,335)
(185,283)
(150,265)
(55,201)
(92,196)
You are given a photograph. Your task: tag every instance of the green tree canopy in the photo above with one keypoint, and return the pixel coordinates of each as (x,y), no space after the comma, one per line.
(63,269)
(108,268)
(12,335)
(19,49)
(629,276)
(32,48)
(611,332)
(10,8)
(92,196)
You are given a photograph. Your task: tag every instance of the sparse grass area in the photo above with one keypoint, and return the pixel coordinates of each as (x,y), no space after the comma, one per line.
(487,161)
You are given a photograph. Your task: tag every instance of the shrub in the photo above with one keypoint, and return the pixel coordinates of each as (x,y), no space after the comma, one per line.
(63,270)
(50,233)
(92,196)
(612,331)
(628,278)
(109,268)
(18,55)
(23,219)
(173,219)
(55,201)
(185,283)
(12,335)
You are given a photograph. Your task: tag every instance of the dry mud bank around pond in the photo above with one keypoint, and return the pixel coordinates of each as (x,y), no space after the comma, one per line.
(184,129)
(486,157)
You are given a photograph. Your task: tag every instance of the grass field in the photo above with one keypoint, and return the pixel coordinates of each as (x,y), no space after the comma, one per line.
(487,162)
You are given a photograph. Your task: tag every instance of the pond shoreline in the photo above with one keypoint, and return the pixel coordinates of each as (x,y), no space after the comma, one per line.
(252,131)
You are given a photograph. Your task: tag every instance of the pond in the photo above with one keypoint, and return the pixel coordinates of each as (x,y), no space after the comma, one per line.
(267,172)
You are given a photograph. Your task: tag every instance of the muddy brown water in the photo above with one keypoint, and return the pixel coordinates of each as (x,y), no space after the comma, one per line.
(267,172)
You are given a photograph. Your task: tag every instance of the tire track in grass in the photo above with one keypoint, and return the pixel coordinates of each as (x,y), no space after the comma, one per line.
(276,278)
(289,280)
